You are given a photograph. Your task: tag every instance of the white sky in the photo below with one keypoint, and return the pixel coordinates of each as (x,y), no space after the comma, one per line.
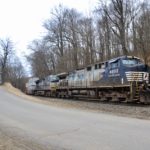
(22,20)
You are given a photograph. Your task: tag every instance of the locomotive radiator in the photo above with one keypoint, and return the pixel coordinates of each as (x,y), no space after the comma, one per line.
(137,76)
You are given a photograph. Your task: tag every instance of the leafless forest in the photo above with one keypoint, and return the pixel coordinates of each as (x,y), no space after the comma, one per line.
(11,68)
(73,40)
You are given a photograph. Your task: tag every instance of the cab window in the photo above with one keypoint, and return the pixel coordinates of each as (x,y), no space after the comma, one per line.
(89,68)
(96,66)
(99,66)
(130,62)
(114,64)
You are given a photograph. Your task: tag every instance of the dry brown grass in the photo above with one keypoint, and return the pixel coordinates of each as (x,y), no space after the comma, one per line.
(19,93)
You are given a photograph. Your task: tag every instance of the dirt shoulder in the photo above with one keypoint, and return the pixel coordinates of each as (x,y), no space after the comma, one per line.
(10,141)
(142,112)
(6,143)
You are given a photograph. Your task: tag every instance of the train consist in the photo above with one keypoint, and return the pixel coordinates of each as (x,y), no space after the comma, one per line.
(124,78)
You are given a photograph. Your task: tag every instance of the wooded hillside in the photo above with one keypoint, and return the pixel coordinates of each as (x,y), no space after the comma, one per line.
(73,40)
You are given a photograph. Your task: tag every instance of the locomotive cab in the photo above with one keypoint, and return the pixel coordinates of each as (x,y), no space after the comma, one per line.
(134,70)
(52,81)
(126,69)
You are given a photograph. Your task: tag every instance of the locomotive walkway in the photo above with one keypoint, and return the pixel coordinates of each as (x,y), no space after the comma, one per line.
(34,126)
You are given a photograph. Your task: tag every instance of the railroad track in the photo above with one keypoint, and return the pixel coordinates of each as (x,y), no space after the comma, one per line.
(90,100)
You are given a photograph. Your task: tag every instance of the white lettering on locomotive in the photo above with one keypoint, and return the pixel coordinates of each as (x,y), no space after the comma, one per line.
(114,73)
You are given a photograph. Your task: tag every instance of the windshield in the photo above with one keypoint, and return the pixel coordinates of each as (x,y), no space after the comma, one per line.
(131,62)
(53,78)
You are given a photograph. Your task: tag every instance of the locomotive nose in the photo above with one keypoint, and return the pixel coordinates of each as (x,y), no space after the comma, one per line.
(142,67)
(147,68)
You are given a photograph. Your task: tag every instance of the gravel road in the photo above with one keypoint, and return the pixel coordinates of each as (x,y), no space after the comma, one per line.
(30,125)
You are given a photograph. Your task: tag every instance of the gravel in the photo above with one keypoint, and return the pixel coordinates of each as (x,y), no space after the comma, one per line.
(128,110)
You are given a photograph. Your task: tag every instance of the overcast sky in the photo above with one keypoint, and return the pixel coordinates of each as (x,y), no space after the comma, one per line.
(22,20)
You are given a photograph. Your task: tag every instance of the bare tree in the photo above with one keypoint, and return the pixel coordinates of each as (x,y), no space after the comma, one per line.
(72,34)
(41,59)
(143,32)
(87,40)
(6,49)
(16,74)
(119,13)
(104,35)
(56,33)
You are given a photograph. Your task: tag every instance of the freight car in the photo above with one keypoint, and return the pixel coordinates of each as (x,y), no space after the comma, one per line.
(124,78)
